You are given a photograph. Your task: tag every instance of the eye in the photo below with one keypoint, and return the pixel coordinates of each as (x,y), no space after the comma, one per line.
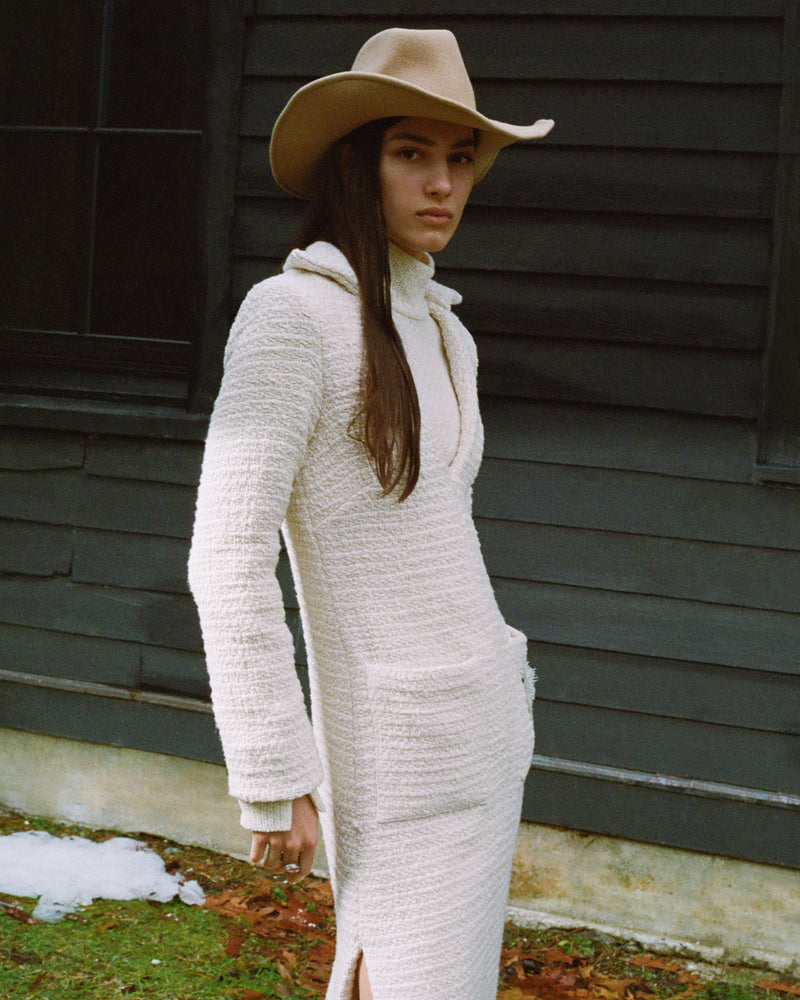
(462,159)
(408,153)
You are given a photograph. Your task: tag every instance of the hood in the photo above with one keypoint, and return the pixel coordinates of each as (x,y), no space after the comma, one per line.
(329,261)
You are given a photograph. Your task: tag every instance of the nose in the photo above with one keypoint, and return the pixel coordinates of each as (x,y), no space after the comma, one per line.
(438,182)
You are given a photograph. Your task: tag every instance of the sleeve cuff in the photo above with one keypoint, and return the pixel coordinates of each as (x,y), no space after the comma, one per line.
(266,817)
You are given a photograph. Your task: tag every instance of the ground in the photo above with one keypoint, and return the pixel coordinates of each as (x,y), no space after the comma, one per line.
(257,938)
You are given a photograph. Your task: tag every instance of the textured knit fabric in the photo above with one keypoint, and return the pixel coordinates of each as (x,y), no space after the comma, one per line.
(422,732)
(424,347)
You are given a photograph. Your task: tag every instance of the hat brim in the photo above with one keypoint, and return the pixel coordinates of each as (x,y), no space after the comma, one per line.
(327,109)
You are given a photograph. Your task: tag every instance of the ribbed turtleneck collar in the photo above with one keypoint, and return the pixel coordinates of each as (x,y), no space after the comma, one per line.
(410,280)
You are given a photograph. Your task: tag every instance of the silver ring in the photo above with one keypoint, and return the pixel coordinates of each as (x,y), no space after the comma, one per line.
(291,867)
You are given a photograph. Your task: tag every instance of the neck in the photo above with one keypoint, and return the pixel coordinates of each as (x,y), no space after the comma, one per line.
(416,254)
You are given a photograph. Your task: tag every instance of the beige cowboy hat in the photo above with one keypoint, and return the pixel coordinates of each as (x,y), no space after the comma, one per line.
(398,72)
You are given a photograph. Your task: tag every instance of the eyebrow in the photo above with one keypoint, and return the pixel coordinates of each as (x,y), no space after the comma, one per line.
(423,140)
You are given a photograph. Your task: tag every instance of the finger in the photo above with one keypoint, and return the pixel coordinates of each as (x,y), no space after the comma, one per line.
(290,856)
(274,857)
(292,873)
(305,863)
(258,844)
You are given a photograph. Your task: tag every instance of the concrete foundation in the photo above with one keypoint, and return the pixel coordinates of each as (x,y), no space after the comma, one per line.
(669,900)
(712,908)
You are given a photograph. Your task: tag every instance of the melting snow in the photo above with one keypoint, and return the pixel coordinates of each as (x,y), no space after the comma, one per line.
(68,872)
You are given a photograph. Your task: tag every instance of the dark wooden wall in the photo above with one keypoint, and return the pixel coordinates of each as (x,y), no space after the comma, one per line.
(99,638)
(94,535)
(617,278)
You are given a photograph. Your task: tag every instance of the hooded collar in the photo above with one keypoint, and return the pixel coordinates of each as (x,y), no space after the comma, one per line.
(327,260)
(410,280)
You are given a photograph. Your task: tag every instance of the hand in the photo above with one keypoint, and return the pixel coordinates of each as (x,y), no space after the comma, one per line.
(296,846)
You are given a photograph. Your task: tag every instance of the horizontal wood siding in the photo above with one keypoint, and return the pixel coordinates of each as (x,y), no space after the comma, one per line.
(486,8)
(627,256)
(715,825)
(616,277)
(94,534)
(94,541)
(132,722)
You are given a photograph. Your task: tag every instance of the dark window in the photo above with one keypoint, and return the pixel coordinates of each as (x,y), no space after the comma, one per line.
(102,142)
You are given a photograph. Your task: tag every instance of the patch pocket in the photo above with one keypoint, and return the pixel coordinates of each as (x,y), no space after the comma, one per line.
(440,737)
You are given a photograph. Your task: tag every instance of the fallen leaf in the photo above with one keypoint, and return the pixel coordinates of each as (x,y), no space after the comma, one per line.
(555,956)
(283,972)
(18,914)
(109,925)
(779,987)
(322,952)
(653,962)
(233,945)
(695,988)
(612,988)
(288,959)
(20,957)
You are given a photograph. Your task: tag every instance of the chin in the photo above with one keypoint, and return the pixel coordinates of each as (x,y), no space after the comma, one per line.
(428,243)
(435,243)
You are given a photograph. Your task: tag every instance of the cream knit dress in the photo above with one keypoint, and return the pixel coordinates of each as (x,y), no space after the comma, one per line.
(421,694)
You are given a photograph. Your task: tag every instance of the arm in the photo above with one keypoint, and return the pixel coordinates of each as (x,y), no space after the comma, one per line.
(265,414)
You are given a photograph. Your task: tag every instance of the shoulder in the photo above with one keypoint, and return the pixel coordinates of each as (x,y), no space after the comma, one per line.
(293,294)
(274,321)
(296,304)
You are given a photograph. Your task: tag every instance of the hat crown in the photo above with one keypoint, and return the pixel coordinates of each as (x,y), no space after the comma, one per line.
(429,59)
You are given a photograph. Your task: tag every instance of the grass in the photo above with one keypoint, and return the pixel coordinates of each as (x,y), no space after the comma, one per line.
(257,939)
(130,949)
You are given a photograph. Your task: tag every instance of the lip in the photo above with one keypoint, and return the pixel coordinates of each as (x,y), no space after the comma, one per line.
(435,216)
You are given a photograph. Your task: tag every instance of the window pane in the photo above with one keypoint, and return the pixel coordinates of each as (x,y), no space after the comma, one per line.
(44,226)
(146,261)
(158,62)
(49,56)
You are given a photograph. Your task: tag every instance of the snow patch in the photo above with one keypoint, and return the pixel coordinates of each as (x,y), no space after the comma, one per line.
(68,872)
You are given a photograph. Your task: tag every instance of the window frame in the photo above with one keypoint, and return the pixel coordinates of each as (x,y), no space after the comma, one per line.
(118,377)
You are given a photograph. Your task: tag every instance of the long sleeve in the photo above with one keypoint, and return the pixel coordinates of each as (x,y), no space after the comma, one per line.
(265,414)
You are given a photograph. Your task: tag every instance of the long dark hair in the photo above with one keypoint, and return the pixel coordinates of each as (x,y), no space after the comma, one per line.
(345,210)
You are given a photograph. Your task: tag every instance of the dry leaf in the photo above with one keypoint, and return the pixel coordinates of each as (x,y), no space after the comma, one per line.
(17,914)
(653,962)
(283,972)
(555,956)
(234,943)
(778,987)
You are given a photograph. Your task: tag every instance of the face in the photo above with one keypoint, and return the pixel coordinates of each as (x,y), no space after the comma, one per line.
(426,171)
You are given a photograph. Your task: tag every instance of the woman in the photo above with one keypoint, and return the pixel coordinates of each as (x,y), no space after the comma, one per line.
(348,416)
